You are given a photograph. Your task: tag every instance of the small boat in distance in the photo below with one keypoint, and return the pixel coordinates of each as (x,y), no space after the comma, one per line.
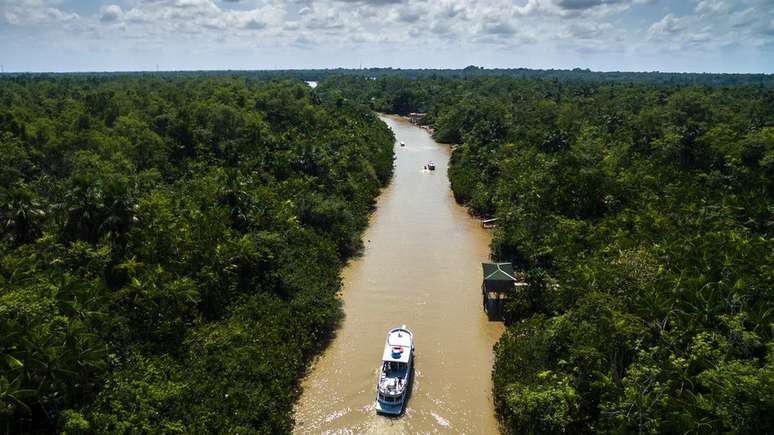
(403,144)
(431,166)
(395,373)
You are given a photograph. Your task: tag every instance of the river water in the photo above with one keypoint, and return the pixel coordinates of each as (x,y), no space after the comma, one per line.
(421,267)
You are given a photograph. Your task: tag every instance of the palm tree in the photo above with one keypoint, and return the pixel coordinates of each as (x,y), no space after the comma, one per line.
(20,215)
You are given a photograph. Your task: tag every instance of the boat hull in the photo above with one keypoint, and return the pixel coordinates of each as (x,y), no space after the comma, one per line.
(389,408)
(392,388)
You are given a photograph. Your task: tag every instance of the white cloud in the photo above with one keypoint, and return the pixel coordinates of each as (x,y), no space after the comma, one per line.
(564,27)
(110,13)
(707,7)
(717,25)
(584,4)
(590,30)
(34,12)
(576,8)
(668,25)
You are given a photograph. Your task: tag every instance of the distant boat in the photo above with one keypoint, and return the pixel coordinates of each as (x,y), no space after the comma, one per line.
(395,373)
(431,166)
(403,144)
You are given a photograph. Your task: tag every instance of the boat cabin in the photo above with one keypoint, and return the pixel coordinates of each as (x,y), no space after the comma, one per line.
(398,349)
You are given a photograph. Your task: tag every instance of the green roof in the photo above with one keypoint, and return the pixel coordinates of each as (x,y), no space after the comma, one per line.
(498,272)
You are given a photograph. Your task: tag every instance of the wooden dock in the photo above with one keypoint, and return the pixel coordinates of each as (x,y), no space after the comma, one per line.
(498,283)
(488,223)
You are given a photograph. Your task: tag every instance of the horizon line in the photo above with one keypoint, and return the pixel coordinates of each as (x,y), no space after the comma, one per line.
(482,68)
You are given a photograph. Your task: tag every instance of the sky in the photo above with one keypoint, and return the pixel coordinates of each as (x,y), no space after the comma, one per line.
(602,35)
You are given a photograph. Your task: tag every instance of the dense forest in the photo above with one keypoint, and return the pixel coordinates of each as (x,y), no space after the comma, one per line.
(170,247)
(640,216)
(470,72)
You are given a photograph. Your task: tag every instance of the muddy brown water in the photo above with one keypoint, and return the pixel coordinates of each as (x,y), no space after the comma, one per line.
(421,267)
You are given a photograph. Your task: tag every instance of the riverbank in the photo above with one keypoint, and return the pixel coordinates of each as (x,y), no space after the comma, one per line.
(415,119)
(420,266)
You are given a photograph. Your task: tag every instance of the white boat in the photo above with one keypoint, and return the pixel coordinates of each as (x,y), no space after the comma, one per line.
(395,373)
(403,144)
(431,166)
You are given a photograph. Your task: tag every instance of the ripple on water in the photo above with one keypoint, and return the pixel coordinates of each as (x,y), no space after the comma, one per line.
(344,431)
(337,414)
(440,420)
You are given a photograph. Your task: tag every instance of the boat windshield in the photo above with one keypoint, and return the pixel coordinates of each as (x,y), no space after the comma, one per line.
(394,368)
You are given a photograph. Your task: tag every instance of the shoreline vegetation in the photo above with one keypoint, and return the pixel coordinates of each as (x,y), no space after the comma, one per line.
(640,214)
(171,247)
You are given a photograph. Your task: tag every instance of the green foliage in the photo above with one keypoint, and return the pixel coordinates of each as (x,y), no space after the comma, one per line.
(170,247)
(142,395)
(550,408)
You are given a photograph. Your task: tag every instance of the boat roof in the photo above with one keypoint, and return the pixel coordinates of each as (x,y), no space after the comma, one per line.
(397,348)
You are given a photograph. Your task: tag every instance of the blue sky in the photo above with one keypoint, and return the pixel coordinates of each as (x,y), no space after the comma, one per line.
(626,35)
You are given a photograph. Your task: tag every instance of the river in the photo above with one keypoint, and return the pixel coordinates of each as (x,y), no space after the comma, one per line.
(421,266)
